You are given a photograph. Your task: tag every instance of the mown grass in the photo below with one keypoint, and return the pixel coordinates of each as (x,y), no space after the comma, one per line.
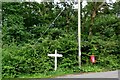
(88,68)
(62,72)
(50,74)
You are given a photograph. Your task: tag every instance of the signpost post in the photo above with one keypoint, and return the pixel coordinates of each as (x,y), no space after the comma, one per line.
(55,55)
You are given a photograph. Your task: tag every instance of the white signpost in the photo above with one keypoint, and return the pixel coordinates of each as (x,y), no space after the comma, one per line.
(55,55)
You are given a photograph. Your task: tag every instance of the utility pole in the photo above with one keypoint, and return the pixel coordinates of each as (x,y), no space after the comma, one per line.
(79,35)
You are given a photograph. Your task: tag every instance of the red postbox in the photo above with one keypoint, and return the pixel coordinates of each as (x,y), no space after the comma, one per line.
(92,58)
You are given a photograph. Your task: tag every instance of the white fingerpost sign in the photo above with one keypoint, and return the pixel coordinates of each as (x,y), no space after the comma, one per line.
(55,55)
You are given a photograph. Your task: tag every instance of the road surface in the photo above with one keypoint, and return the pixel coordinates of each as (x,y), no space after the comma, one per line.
(109,74)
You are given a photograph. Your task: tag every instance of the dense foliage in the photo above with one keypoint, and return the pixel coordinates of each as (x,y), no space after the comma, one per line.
(27,37)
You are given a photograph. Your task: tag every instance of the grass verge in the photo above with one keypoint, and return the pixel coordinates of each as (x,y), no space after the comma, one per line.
(62,72)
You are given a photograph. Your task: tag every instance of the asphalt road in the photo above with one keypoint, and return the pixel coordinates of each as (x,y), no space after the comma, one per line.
(109,74)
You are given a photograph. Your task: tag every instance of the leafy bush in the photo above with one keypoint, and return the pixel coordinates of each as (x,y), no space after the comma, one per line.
(29,59)
(28,39)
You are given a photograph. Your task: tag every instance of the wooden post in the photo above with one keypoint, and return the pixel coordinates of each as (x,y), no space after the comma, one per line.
(55,55)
